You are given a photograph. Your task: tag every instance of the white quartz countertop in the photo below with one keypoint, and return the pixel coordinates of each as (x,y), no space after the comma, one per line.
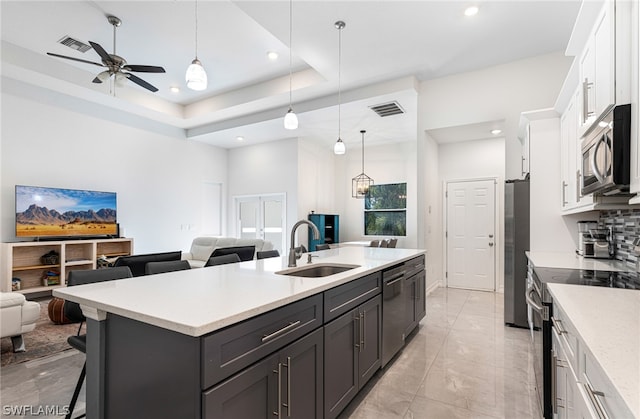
(608,322)
(198,301)
(571,260)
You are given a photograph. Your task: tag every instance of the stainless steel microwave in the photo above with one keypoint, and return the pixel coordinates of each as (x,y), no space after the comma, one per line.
(606,154)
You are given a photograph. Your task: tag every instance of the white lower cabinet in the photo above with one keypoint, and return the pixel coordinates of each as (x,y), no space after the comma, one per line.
(580,388)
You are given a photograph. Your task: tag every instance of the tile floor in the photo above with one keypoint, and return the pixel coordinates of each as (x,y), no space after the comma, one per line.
(462,363)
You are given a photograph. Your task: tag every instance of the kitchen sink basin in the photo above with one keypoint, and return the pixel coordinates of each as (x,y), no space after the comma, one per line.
(318,271)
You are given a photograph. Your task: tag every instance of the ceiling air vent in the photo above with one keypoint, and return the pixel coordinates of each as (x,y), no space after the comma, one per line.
(74,44)
(387,109)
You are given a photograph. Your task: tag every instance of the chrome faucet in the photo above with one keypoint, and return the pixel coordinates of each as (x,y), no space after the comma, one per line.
(293,255)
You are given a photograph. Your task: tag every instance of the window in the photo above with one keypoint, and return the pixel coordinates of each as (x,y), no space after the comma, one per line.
(385,210)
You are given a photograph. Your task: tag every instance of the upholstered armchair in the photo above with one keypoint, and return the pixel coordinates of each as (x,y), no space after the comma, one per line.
(17,316)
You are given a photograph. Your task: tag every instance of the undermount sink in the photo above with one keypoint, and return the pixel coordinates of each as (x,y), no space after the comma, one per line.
(318,271)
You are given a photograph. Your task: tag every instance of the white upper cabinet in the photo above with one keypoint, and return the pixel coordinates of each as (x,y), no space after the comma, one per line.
(568,148)
(570,157)
(604,65)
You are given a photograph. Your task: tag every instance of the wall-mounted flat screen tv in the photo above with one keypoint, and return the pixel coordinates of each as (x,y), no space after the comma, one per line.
(56,212)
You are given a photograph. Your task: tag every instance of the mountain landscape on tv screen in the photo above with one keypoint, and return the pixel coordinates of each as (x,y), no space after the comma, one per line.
(41,215)
(42,221)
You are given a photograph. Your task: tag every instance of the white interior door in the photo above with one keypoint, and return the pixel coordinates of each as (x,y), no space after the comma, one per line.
(470,234)
(262,217)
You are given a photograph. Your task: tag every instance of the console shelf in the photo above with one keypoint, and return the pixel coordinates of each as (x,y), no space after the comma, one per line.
(23,260)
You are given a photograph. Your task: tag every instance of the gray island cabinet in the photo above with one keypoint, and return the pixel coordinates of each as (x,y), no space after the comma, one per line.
(240,341)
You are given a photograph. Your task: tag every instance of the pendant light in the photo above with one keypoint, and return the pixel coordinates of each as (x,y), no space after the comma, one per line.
(290,119)
(196,77)
(361,183)
(339,147)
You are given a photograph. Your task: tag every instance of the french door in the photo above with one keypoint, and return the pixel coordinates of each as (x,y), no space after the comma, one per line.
(470,237)
(262,217)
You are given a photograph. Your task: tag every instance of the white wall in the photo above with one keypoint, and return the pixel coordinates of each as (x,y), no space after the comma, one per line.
(473,160)
(388,163)
(431,213)
(316,182)
(495,93)
(158,179)
(264,169)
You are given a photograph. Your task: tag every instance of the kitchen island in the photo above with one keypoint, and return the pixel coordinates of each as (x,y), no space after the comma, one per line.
(176,344)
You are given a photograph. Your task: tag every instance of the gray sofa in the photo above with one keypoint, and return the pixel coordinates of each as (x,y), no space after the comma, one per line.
(202,247)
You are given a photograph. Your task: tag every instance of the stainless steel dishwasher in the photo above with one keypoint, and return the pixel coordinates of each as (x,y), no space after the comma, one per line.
(393,317)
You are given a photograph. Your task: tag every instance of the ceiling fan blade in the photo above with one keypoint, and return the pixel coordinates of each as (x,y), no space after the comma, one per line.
(106,58)
(144,68)
(74,59)
(137,80)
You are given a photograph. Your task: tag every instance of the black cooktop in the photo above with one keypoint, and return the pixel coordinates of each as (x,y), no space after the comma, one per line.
(630,280)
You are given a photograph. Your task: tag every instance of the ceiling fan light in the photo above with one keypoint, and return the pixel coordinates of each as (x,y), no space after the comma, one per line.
(339,147)
(196,77)
(291,120)
(104,76)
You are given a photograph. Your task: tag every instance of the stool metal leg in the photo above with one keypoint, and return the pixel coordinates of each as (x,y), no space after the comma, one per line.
(76,393)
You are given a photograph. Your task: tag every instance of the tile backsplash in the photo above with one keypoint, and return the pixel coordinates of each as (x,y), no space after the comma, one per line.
(626,227)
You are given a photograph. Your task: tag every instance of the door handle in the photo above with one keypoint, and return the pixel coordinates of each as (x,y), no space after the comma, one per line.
(278,412)
(362,329)
(594,163)
(530,301)
(578,186)
(554,377)
(288,367)
(356,331)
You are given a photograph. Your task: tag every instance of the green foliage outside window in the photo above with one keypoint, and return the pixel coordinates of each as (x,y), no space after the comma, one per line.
(385,210)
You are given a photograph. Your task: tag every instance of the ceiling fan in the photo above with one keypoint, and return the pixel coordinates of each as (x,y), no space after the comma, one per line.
(116,65)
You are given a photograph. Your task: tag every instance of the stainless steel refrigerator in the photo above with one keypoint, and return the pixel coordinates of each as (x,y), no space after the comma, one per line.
(516,230)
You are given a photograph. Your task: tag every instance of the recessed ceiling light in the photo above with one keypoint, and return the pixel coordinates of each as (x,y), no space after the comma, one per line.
(174,89)
(240,138)
(471,11)
(496,131)
(272,55)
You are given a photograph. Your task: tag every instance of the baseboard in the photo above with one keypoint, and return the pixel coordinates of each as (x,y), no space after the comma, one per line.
(433,287)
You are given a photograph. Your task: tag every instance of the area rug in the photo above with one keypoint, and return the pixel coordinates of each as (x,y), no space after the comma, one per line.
(47,339)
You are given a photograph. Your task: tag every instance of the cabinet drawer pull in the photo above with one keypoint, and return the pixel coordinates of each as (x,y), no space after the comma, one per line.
(281,331)
(602,414)
(557,324)
(393,282)
(351,301)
